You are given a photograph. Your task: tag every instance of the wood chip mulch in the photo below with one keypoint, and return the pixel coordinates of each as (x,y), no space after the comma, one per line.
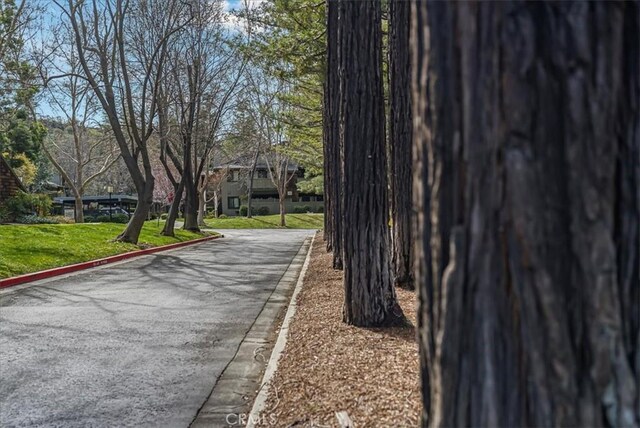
(329,367)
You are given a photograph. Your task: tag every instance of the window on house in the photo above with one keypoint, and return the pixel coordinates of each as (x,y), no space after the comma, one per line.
(233,176)
(233,202)
(262,173)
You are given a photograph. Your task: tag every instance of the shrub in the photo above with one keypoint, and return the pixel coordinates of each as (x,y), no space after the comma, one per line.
(34,219)
(222,216)
(115,218)
(89,219)
(62,219)
(262,211)
(320,209)
(4,214)
(164,216)
(23,204)
(244,210)
(120,218)
(18,205)
(302,210)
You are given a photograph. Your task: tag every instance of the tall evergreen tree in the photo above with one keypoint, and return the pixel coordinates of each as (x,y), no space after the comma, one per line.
(527,140)
(369,293)
(332,161)
(400,142)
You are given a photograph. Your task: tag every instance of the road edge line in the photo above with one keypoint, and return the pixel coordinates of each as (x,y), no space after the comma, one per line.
(62,270)
(281,342)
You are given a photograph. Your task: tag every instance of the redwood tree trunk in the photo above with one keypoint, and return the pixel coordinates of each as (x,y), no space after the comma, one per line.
(526,171)
(332,176)
(369,293)
(400,142)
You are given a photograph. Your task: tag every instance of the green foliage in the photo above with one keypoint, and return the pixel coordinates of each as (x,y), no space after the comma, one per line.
(4,215)
(314,185)
(244,210)
(292,49)
(262,211)
(24,168)
(114,218)
(34,219)
(19,131)
(303,209)
(25,204)
(164,216)
(21,134)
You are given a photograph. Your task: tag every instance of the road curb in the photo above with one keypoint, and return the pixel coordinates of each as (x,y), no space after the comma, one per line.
(62,270)
(278,348)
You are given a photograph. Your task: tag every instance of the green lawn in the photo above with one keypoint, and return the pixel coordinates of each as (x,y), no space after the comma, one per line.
(30,248)
(294,221)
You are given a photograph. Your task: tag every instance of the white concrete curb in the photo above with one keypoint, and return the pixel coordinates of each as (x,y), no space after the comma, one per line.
(278,348)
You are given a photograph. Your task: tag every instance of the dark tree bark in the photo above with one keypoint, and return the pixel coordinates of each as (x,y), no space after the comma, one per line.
(332,176)
(174,210)
(526,171)
(400,142)
(252,172)
(369,293)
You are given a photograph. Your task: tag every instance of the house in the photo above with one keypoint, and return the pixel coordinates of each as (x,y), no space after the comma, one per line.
(233,186)
(10,184)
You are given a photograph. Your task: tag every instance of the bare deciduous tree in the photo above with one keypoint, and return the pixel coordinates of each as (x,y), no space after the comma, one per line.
(122,48)
(88,152)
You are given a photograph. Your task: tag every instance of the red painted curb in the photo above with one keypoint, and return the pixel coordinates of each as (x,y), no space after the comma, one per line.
(43,274)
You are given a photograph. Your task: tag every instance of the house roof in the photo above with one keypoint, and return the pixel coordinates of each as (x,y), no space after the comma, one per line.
(261,164)
(13,174)
(99,198)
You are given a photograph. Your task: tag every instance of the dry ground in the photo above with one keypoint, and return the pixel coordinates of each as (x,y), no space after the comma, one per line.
(328,366)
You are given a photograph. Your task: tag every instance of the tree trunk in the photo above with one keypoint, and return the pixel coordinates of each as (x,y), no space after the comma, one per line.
(526,172)
(370,298)
(283,216)
(216,214)
(202,207)
(174,210)
(333,174)
(191,208)
(252,173)
(79,208)
(131,233)
(400,142)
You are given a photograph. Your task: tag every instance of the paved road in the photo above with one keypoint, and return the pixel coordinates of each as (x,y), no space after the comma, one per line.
(139,343)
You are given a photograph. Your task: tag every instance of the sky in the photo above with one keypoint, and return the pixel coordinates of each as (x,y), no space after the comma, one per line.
(52,14)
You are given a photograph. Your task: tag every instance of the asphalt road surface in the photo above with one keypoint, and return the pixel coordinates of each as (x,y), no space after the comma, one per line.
(139,343)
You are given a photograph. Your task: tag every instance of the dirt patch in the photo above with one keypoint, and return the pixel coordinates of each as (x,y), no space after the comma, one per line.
(328,366)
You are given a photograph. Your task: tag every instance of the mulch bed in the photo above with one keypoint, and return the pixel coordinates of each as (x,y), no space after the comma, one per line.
(328,366)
